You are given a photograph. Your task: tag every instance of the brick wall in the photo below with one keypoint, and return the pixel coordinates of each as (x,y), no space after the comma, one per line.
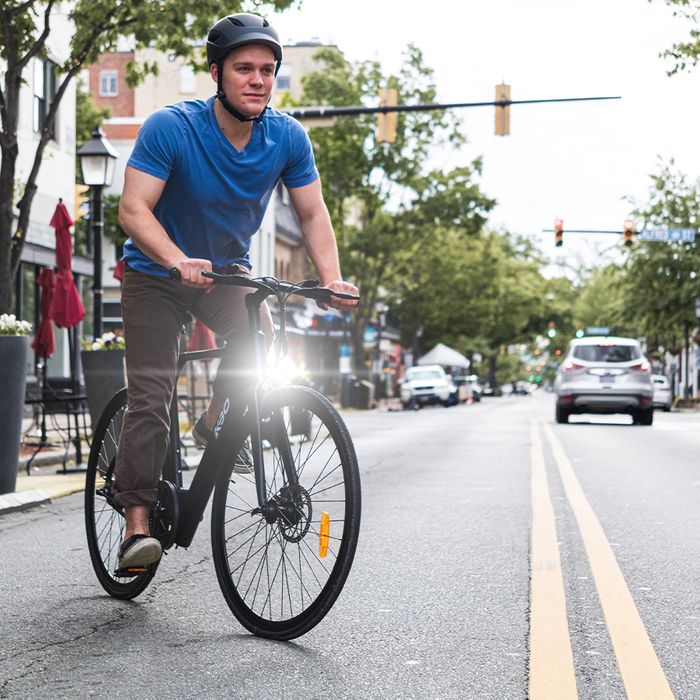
(121,104)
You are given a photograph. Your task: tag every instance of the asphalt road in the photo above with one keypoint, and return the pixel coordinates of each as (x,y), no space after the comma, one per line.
(459,506)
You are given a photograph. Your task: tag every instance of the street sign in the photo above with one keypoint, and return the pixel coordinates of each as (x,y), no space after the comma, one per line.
(597,330)
(669,235)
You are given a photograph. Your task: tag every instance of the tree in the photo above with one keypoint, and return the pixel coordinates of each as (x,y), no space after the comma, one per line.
(26,26)
(685,55)
(661,280)
(386,208)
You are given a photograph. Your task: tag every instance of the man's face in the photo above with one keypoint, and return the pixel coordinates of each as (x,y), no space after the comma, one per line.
(248,76)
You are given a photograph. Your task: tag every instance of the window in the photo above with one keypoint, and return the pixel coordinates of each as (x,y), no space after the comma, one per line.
(44,93)
(284,80)
(607,353)
(109,83)
(188,81)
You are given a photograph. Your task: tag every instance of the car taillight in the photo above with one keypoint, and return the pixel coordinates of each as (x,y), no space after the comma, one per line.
(642,367)
(571,366)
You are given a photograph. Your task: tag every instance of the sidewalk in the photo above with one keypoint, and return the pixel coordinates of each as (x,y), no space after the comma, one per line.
(45,483)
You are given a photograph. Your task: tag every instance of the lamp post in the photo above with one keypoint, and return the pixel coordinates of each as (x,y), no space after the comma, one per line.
(378,376)
(97,161)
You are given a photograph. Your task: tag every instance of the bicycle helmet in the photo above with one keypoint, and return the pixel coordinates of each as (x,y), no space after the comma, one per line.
(239,30)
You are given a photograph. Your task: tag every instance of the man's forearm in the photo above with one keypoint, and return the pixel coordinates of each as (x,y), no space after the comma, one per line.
(322,248)
(150,237)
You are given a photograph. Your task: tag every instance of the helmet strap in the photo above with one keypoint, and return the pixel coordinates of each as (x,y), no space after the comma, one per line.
(226,104)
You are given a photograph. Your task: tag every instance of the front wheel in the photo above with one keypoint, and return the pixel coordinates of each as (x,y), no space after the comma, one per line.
(281,574)
(104,520)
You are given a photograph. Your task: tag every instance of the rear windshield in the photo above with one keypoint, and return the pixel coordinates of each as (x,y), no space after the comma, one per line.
(607,353)
(423,374)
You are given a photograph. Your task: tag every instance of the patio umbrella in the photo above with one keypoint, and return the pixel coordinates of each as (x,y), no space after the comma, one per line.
(44,342)
(201,339)
(67,309)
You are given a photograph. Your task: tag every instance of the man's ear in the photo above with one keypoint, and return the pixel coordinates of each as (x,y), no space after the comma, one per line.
(214,72)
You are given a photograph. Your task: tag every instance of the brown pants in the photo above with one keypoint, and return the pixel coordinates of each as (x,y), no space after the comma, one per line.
(154,310)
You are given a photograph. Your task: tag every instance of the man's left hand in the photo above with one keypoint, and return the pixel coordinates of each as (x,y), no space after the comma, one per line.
(344,288)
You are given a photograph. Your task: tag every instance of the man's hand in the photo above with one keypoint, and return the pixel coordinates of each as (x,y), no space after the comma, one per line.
(344,288)
(191,269)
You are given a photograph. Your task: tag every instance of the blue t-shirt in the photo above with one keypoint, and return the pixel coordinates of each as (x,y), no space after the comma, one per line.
(215,197)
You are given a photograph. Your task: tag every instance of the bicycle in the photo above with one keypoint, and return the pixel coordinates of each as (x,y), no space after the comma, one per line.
(283,537)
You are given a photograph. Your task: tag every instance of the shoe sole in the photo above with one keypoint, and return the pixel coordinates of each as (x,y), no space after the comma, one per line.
(141,553)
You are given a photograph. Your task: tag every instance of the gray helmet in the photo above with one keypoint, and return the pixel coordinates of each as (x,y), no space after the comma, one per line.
(238,30)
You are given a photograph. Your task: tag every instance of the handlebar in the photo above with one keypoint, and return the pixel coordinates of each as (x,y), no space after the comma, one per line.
(271,286)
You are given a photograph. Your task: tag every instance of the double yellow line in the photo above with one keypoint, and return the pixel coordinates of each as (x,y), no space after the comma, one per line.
(552,673)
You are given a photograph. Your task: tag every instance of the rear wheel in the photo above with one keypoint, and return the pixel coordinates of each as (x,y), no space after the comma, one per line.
(104,520)
(280,574)
(644,416)
(561,415)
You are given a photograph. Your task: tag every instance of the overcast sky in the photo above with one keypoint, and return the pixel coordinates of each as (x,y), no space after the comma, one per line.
(576,161)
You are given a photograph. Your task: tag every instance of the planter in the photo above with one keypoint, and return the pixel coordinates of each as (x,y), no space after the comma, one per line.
(13,379)
(104,376)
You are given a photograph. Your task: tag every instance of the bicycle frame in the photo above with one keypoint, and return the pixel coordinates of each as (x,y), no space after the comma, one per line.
(193,501)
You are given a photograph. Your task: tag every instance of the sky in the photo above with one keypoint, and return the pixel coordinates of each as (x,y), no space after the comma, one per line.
(577,161)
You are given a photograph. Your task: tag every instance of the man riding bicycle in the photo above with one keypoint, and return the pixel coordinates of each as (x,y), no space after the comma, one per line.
(196,188)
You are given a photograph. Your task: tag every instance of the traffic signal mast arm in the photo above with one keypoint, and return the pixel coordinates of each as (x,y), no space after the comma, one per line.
(319,112)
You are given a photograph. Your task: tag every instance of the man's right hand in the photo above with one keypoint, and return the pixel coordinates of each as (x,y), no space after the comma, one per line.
(191,269)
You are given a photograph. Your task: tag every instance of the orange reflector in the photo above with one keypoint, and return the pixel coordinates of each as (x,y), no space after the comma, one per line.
(324,535)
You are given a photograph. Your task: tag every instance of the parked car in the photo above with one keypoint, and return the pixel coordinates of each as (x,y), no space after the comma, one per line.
(427,384)
(468,385)
(604,375)
(662,392)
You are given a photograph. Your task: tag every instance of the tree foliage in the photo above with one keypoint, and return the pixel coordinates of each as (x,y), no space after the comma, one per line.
(661,280)
(26,29)
(685,55)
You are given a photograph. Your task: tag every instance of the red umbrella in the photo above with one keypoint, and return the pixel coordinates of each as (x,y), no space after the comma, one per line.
(67,309)
(202,338)
(44,342)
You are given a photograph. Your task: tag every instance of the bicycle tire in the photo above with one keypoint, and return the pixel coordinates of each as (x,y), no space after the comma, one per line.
(284,556)
(104,523)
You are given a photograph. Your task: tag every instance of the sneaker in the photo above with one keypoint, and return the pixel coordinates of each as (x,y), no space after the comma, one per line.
(244,460)
(201,434)
(139,551)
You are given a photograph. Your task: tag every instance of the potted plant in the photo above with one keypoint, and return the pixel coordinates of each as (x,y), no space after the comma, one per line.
(103,371)
(14,346)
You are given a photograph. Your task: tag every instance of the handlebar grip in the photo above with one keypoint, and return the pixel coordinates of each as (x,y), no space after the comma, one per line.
(343,295)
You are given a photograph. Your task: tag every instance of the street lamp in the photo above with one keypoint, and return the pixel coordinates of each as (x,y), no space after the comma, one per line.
(97,161)
(381,325)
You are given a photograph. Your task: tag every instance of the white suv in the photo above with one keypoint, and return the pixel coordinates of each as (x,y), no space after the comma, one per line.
(427,384)
(604,375)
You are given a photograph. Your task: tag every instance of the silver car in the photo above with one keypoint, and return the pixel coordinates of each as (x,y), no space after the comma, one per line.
(605,375)
(663,397)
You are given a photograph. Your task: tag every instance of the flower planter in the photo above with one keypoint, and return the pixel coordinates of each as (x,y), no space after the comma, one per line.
(13,379)
(104,376)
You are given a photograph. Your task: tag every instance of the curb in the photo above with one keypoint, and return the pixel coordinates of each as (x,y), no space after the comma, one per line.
(22,500)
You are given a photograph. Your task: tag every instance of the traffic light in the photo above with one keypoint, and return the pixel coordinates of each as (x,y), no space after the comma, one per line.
(81,202)
(502,110)
(551,330)
(387,121)
(628,233)
(558,232)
